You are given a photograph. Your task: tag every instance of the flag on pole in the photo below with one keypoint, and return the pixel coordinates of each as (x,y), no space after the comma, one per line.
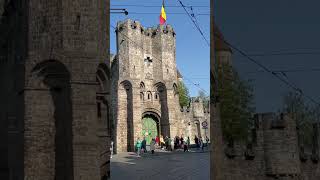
(163,16)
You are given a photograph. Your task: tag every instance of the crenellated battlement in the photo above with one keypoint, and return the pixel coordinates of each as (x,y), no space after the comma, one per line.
(132,25)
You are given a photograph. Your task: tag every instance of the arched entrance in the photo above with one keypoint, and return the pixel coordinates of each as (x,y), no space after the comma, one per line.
(150,126)
(54,115)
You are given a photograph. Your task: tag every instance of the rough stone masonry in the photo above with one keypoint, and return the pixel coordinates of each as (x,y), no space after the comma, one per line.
(54,100)
(144,85)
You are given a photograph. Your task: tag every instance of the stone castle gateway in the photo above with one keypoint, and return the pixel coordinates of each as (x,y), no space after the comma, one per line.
(144,93)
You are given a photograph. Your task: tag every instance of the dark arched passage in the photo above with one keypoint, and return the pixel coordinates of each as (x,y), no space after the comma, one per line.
(103,117)
(57,78)
(129,116)
(164,121)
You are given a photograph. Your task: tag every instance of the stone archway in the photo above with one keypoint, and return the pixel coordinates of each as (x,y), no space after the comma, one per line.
(198,130)
(103,117)
(125,131)
(164,121)
(150,125)
(49,136)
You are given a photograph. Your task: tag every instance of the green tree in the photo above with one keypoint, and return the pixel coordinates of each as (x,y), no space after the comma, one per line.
(184,97)
(205,98)
(236,104)
(303,114)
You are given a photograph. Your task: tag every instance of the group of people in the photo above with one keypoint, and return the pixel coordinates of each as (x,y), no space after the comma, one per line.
(200,143)
(167,143)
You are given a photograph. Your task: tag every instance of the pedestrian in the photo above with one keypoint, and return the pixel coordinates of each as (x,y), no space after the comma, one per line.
(169,144)
(161,142)
(166,142)
(207,141)
(196,140)
(138,145)
(111,149)
(201,143)
(152,145)
(176,142)
(144,145)
(157,140)
(188,143)
(181,140)
(185,147)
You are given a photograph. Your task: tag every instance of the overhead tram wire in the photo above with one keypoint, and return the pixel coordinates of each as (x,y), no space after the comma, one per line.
(140,46)
(131,5)
(267,70)
(287,71)
(200,31)
(284,54)
(199,14)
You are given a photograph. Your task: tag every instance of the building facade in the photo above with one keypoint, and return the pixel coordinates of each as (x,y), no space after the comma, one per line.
(56,87)
(145,98)
(273,149)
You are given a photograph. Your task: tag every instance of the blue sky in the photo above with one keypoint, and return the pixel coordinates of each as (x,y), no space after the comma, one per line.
(274,26)
(193,54)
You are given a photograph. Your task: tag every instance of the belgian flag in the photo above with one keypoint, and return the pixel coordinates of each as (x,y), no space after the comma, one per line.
(163,16)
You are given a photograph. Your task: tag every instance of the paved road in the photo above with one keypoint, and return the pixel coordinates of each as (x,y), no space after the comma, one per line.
(161,166)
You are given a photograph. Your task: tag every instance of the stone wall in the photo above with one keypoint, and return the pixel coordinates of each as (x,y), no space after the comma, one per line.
(50,54)
(273,153)
(146,57)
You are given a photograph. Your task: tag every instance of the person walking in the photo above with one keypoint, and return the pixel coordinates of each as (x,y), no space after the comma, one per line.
(138,145)
(196,140)
(207,141)
(182,143)
(188,143)
(166,143)
(176,142)
(111,149)
(144,145)
(169,144)
(158,140)
(152,145)
(201,143)
(161,141)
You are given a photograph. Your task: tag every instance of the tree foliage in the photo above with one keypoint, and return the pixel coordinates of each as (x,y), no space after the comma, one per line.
(205,98)
(304,115)
(184,97)
(236,104)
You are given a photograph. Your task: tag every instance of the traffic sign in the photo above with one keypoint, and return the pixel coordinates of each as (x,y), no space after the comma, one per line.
(204,124)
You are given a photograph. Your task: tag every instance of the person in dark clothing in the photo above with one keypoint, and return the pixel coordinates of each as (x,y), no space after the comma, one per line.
(185,146)
(196,140)
(169,144)
(166,142)
(181,140)
(144,144)
(176,142)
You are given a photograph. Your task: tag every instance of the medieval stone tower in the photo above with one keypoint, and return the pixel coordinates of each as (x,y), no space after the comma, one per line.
(54,105)
(144,78)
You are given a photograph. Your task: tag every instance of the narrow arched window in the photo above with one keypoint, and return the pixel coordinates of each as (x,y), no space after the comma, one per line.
(99,110)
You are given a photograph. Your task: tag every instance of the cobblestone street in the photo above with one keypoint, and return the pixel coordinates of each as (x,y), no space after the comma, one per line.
(177,165)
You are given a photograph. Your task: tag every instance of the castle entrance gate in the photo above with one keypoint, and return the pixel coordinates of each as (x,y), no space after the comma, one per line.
(150,127)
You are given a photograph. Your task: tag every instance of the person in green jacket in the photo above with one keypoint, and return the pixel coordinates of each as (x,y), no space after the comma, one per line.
(138,145)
